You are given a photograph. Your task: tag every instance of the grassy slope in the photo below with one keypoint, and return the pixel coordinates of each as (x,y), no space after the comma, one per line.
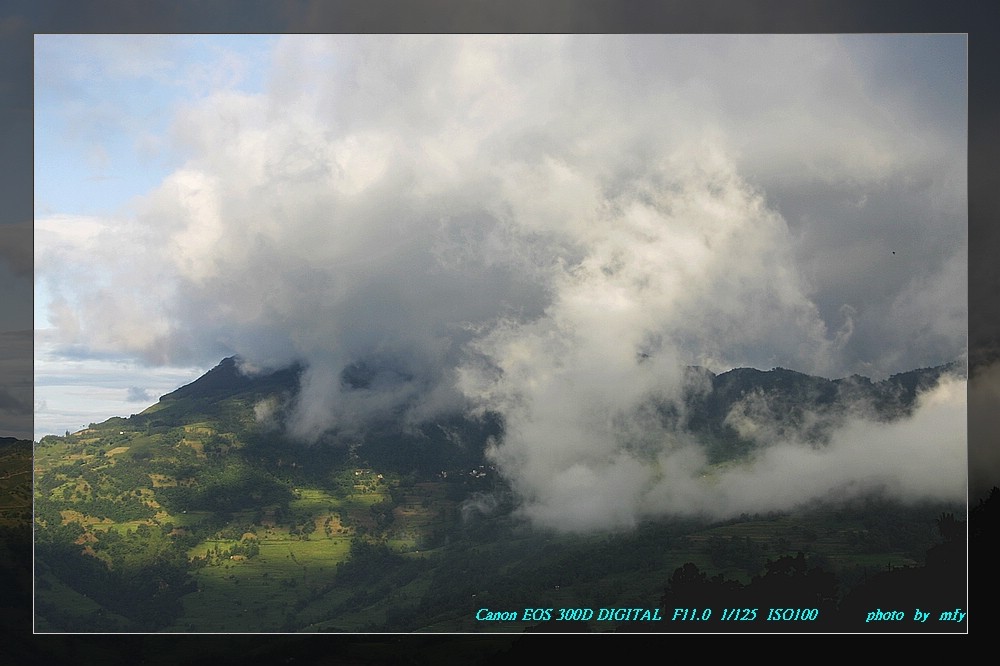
(440,570)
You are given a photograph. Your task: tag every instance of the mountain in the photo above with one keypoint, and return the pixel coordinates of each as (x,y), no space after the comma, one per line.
(226,397)
(227,379)
(194,517)
(783,398)
(792,404)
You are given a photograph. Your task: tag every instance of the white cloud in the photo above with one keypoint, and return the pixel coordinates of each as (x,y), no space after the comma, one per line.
(511,221)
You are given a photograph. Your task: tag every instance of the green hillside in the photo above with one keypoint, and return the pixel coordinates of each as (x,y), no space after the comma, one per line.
(191,517)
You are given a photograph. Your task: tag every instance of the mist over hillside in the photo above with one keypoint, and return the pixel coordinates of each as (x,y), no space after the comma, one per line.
(740,441)
(209,511)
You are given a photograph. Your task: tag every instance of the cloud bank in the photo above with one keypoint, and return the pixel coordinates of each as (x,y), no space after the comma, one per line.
(551,227)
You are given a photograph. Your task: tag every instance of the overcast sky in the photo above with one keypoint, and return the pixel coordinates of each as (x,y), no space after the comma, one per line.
(496,222)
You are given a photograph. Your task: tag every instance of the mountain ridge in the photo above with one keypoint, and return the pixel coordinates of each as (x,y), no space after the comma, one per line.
(713,407)
(227,378)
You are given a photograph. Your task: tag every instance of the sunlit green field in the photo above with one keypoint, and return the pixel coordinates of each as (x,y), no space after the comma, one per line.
(262,593)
